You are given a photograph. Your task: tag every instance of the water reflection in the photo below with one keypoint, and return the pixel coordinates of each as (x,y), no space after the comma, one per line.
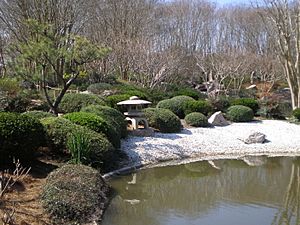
(226,192)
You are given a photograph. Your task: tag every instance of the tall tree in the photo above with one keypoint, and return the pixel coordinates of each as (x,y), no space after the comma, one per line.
(282,17)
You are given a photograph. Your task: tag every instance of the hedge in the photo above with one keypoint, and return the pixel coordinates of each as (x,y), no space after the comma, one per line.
(74,194)
(74,102)
(163,120)
(175,104)
(296,113)
(38,114)
(20,136)
(112,116)
(200,106)
(95,123)
(239,113)
(196,119)
(60,130)
(249,102)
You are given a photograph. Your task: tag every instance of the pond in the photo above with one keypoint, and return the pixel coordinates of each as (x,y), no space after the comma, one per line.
(223,192)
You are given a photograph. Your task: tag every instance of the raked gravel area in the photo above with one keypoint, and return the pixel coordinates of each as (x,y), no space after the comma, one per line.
(282,138)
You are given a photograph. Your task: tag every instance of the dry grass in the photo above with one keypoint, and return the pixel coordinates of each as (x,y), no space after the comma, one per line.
(24,197)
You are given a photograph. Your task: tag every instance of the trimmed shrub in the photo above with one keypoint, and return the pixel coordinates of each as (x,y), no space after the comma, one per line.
(175,104)
(200,106)
(20,136)
(112,116)
(60,130)
(74,102)
(38,114)
(163,120)
(74,194)
(98,88)
(95,123)
(249,102)
(296,113)
(239,113)
(220,104)
(112,100)
(196,119)
(189,92)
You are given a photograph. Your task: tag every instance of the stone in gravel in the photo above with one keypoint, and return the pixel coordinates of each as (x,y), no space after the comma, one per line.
(255,138)
(217,119)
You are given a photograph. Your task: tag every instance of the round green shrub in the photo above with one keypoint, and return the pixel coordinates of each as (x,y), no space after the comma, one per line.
(38,114)
(60,130)
(112,100)
(175,104)
(95,123)
(98,88)
(239,113)
(74,102)
(296,113)
(163,120)
(196,119)
(200,106)
(74,193)
(20,136)
(249,102)
(112,116)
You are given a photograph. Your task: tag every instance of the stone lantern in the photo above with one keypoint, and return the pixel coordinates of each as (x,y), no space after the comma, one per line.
(134,111)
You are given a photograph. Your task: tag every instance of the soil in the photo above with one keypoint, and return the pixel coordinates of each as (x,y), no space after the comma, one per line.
(23,200)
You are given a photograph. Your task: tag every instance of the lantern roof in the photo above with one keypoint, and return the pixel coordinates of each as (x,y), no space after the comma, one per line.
(134,100)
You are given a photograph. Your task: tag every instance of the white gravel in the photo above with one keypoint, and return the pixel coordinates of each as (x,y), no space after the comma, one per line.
(283,137)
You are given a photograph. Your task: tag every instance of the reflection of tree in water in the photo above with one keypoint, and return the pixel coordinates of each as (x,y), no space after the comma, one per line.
(289,213)
(199,169)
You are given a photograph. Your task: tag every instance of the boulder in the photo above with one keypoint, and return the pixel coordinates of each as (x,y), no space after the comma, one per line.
(255,138)
(217,119)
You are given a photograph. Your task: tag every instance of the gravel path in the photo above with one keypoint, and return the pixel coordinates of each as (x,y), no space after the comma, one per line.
(283,137)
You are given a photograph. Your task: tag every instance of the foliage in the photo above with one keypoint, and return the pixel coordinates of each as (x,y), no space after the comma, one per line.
(20,136)
(196,119)
(74,193)
(9,86)
(273,108)
(219,104)
(59,130)
(239,113)
(50,56)
(112,116)
(38,114)
(79,147)
(249,102)
(175,104)
(163,120)
(74,102)
(189,92)
(98,88)
(200,106)
(114,99)
(95,123)
(296,113)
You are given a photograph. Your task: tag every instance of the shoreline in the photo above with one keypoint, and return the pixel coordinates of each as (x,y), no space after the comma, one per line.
(199,144)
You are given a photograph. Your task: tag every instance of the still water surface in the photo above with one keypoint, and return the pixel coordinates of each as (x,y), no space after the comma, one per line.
(199,194)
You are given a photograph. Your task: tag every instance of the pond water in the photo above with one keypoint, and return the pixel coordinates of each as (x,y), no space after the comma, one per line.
(225,192)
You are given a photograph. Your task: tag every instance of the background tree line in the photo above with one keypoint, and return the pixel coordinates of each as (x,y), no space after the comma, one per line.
(154,43)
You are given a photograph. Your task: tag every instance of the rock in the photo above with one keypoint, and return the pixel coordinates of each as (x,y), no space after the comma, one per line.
(217,119)
(255,138)
(253,86)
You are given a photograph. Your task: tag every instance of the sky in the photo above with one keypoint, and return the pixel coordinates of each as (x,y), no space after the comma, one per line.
(231,2)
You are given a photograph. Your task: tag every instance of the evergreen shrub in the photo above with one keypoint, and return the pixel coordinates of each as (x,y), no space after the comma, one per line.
(240,113)
(196,119)
(74,194)
(163,120)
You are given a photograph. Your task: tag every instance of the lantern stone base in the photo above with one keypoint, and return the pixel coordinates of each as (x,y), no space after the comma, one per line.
(138,121)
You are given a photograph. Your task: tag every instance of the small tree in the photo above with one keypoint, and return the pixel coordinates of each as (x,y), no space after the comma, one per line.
(56,56)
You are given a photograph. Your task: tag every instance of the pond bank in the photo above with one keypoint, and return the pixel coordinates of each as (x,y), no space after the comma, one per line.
(194,144)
